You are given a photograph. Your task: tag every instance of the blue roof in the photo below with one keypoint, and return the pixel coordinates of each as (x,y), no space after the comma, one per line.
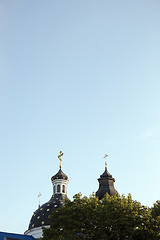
(15,236)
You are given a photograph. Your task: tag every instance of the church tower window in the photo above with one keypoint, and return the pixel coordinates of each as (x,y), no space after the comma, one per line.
(58,188)
(63,189)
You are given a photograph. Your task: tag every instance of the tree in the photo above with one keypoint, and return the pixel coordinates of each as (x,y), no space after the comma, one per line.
(112,218)
(156,210)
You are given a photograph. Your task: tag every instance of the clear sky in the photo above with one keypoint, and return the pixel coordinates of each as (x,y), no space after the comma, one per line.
(82,77)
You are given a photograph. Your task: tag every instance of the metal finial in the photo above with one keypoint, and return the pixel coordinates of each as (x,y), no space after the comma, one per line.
(105,156)
(39,199)
(60,159)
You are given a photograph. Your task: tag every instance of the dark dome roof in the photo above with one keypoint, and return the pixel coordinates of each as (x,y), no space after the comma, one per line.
(106,174)
(60,175)
(41,216)
(106,185)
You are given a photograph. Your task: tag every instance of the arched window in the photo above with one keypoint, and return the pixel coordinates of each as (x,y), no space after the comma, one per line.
(58,188)
(63,189)
(54,189)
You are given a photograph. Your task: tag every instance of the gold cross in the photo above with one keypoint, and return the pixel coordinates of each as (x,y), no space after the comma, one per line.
(105,156)
(39,199)
(60,159)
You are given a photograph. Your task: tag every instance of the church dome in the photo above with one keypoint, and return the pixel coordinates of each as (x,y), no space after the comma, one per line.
(41,217)
(106,183)
(59,175)
(106,174)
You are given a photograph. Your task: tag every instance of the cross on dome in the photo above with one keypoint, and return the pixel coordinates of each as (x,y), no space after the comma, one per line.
(105,157)
(60,159)
(39,195)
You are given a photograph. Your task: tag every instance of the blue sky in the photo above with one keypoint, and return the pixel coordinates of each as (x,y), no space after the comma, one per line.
(82,77)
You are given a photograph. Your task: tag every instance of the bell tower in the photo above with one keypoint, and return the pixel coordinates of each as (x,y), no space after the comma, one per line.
(106,183)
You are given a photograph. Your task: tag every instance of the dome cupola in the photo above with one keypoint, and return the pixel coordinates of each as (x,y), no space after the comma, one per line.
(106,183)
(41,217)
(59,175)
(60,180)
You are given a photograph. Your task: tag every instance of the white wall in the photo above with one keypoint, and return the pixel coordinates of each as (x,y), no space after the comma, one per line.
(36,232)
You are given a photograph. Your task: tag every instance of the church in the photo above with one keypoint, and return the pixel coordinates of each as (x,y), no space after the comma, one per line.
(41,217)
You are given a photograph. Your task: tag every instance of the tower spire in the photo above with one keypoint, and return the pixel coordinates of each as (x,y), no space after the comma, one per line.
(105,157)
(60,159)
(106,183)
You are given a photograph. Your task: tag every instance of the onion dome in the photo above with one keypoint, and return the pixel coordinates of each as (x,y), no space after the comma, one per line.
(106,184)
(60,175)
(106,174)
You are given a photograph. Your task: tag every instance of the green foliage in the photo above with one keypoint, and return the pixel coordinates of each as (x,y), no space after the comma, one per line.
(156,210)
(112,218)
